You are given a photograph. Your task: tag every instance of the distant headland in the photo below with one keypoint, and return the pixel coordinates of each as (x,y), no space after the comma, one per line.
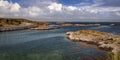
(11,24)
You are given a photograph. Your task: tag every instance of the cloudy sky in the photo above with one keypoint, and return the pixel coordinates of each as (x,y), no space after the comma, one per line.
(62,10)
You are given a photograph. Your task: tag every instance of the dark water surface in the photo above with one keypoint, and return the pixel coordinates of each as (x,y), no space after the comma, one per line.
(49,45)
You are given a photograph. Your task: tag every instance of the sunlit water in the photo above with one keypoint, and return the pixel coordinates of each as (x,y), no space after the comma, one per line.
(49,45)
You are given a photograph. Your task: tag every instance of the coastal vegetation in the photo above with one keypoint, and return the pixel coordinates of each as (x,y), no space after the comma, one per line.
(70,24)
(6,22)
(106,41)
(88,24)
(11,24)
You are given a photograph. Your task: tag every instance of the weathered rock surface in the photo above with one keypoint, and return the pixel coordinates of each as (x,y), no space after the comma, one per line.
(12,24)
(103,40)
(76,24)
(44,27)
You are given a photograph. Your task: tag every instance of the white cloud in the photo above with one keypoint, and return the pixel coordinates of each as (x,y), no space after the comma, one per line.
(72,8)
(15,7)
(3,3)
(6,6)
(118,13)
(55,6)
(53,10)
(33,11)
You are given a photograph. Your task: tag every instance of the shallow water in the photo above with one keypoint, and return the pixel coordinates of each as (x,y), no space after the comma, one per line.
(49,45)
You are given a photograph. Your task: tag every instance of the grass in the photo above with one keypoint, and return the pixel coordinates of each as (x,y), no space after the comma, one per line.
(6,22)
(109,41)
(112,56)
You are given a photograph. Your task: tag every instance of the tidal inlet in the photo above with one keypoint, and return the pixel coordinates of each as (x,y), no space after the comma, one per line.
(59,30)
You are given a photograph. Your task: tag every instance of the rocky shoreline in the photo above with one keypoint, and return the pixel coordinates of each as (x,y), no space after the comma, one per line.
(14,28)
(13,24)
(29,27)
(82,24)
(105,41)
(68,24)
(44,27)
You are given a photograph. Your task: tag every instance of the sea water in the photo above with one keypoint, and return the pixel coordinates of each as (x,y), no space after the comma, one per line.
(50,45)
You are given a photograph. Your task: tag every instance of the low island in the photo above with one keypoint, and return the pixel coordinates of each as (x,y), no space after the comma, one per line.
(77,24)
(12,24)
(106,41)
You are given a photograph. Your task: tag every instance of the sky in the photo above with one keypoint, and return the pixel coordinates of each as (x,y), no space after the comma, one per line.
(62,10)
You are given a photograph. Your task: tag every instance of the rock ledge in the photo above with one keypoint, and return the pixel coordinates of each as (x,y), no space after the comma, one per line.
(103,40)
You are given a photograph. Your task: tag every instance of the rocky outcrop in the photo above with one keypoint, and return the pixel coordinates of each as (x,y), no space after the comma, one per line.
(12,24)
(70,24)
(103,40)
(17,27)
(44,27)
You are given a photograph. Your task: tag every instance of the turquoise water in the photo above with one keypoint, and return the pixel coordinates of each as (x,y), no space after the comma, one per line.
(49,45)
